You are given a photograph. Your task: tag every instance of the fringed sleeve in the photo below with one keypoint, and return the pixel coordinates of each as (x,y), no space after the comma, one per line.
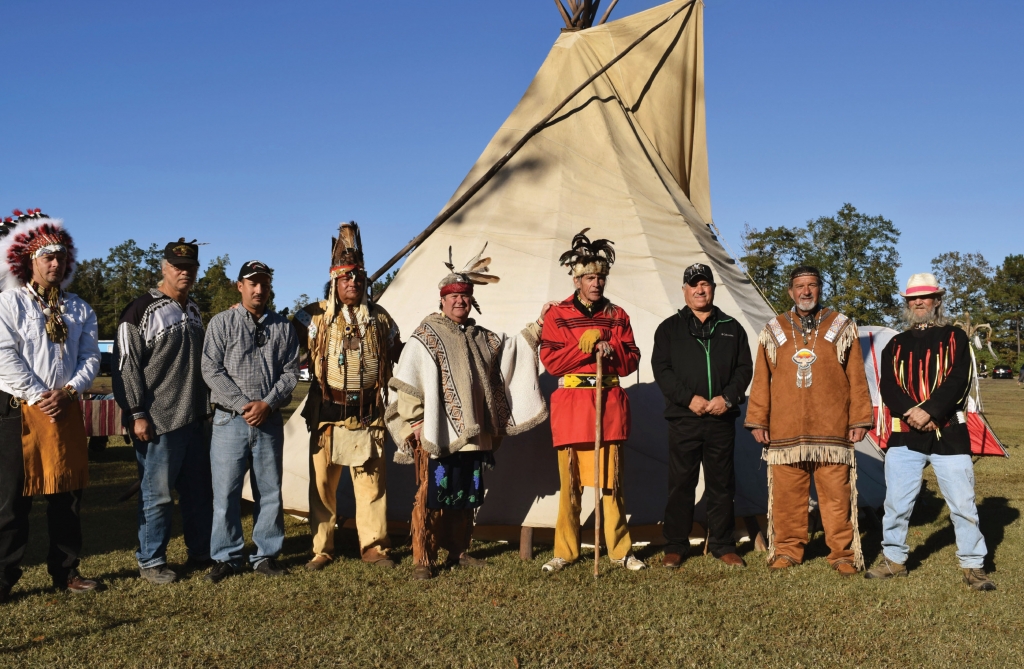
(759,406)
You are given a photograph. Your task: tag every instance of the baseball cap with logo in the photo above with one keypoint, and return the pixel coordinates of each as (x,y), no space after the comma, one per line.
(182,253)
(253,267)
(697,271)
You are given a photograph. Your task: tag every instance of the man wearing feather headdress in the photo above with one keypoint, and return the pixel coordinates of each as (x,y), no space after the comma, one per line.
(459,389)
(48,355)
(574,330)
(809,405)
(925,380)
(353,344)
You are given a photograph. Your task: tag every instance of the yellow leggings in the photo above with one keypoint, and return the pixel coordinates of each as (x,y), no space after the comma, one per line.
(617,542)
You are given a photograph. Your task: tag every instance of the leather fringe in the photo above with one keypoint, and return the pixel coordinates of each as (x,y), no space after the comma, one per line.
(845,341)
(770,529)
(826,453)
(768,342)
(858,554)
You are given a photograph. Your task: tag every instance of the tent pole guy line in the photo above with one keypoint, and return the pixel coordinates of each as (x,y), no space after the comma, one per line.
(482,181)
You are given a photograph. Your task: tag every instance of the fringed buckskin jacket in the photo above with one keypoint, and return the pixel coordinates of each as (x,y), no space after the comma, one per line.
(809,423)
(465,383)
(573,410)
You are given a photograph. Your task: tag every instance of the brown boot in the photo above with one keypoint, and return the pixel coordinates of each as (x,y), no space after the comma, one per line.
(977,579)
(886,569)
(672,560)
(733,560)
(845,568)
(319,562)
(77,584)
(782,562)
(378,558)
(422,572)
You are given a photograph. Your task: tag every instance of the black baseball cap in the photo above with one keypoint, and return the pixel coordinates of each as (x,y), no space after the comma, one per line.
(253,267)
(182,253)
(698,271)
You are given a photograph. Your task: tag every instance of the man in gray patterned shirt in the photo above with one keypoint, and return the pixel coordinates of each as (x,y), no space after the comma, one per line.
(250,362)
(160,389)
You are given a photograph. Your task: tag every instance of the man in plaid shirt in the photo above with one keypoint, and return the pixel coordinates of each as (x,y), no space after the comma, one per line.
(250,362)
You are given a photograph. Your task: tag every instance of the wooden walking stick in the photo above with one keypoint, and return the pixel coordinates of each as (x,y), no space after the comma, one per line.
(597,465)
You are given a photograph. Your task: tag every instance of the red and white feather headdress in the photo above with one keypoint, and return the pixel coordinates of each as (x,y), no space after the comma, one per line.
(28,235)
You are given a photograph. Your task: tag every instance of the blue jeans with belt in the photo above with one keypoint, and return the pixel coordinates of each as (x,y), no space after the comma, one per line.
(179,459)
(955,474)
(235,445)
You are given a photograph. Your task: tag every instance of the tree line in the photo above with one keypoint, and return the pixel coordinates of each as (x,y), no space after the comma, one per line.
(858,258)
(110,284)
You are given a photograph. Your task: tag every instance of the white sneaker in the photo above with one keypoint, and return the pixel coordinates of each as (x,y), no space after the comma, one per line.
(630,563)
(554,565)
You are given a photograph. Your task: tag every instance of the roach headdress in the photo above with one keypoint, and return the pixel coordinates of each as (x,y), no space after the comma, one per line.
(588,257)
(473,274)
(26,236)
(347,250)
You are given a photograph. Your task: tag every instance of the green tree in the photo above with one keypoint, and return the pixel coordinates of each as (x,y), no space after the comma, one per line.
(966,278)
(110,285)
(856,254)
(300,302)
(90,285)
(1006,298)
(770,255)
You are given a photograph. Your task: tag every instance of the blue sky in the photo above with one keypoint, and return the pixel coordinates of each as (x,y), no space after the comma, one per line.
(258,126)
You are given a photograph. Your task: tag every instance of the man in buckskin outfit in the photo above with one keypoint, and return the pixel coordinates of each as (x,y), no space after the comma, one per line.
(353,344)
(809,405)
(459,389)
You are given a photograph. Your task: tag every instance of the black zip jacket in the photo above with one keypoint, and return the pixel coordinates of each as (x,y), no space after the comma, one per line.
(707,359)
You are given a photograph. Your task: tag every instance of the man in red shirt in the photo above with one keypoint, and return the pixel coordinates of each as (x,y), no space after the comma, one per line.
(574,331)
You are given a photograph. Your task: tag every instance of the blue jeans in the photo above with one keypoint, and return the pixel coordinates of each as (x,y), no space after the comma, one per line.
(955,473)
(235,444)
(178,459)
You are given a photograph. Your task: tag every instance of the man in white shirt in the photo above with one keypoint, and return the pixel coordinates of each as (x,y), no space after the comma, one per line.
(48,355)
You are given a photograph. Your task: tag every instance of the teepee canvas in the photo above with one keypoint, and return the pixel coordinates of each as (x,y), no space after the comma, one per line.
(626,157)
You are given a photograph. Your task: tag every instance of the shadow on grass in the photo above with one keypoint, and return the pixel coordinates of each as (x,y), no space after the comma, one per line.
(994,514)
(64,637)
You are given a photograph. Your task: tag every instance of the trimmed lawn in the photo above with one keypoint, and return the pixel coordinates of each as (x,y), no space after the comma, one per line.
(509,615)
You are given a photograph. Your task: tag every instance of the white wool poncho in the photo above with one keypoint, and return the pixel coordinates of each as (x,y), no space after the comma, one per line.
(448,367)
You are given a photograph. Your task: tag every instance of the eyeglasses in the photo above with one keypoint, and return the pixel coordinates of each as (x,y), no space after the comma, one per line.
(261,334)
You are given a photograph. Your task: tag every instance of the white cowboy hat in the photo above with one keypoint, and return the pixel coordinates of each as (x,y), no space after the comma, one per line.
(922,285)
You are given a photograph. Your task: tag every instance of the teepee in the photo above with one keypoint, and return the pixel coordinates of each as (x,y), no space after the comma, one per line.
(626,157)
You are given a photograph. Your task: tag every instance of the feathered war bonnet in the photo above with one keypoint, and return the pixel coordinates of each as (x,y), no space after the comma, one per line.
(473,274)
(26,236)
(588,257)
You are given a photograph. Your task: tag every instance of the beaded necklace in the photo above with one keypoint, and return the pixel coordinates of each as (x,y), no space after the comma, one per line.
(805,357)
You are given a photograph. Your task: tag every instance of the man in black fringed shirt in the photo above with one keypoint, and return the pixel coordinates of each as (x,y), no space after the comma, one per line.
(925,378)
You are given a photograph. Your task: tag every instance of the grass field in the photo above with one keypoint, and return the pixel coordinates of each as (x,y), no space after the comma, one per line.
(509,615)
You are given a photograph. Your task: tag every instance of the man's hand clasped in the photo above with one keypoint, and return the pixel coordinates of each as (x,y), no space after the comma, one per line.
(53,403)
(715,406)
(256,412)
(919,419)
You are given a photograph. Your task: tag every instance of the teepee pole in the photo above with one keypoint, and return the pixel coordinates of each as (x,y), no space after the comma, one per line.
(482,181)
(598,402)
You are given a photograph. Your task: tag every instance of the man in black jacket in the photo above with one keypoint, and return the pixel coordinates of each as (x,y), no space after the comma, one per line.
(702,364)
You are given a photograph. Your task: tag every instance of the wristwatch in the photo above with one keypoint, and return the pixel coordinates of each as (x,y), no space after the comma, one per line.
(728,404)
